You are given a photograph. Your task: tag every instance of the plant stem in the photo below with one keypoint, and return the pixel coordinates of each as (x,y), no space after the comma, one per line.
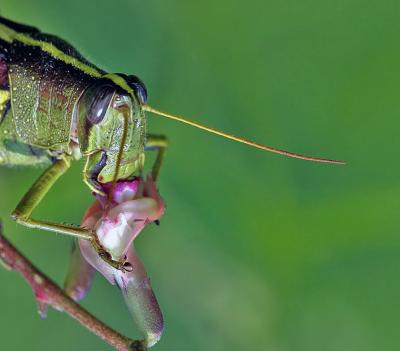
(47,293)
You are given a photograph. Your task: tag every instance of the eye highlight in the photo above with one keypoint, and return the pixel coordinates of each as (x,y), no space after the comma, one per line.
(101,100)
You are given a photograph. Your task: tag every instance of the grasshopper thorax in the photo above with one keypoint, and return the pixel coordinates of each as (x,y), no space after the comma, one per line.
(111,129)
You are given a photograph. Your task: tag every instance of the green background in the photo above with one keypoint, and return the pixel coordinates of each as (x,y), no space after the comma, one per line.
(256,251)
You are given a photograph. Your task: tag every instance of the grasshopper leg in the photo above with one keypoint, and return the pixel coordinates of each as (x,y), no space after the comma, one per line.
(159,143)
(22,213)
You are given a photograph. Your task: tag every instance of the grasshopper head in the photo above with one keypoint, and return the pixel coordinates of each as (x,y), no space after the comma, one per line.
(112,131)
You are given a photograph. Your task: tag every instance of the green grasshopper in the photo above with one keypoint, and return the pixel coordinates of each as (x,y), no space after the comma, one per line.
(57,107)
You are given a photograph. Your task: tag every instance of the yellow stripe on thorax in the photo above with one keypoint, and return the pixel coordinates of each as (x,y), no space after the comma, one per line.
(121,82)
(58,54)
(4,98)
(6,33)
(9,35)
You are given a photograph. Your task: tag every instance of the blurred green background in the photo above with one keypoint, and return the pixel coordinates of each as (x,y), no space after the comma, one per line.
(256,251)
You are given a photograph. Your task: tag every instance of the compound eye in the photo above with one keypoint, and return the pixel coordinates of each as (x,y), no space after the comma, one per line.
(101,100)
(139,88)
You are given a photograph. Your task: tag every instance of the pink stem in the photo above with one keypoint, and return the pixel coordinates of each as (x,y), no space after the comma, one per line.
(48,293)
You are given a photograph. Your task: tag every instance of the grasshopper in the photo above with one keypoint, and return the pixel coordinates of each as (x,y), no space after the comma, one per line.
(57,107)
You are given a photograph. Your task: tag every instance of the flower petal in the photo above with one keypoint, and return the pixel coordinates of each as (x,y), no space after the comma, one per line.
(93,258)
(80,275)
(117,235)
(150,190)
(118,221)
(140,299)
(136,290)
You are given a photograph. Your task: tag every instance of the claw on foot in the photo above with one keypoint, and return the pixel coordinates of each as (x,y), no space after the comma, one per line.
(121,265)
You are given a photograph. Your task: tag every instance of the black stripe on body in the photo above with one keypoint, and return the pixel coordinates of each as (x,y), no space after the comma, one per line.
(59,43)
(19,27)
(64,52)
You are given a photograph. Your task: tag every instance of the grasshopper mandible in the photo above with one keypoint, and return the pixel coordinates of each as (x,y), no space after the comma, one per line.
(57,107)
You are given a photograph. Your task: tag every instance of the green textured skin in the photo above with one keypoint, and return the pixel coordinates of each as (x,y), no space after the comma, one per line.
(36,122)
(14,152)
(36,118)
(44,112)
(107,138)
(43,99)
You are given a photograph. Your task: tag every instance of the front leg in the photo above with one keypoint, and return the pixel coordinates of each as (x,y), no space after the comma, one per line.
(23,212)
(159,143)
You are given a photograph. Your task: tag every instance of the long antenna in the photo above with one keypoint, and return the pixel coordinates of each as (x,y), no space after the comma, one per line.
(238,139)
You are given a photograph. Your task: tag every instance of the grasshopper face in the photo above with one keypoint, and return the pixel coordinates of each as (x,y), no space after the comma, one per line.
(111,125)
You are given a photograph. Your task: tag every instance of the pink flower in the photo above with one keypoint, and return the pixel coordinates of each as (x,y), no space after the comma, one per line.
(118,218)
